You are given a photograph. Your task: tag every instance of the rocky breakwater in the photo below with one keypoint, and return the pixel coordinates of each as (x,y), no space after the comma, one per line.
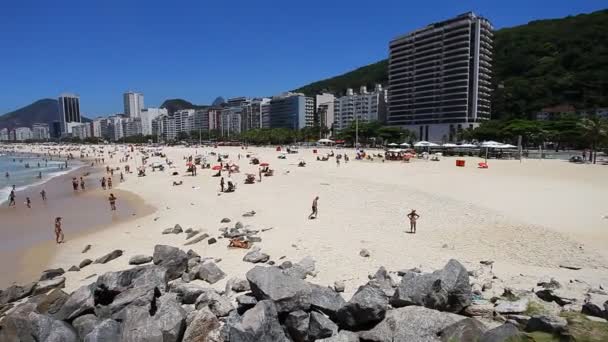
(168,301)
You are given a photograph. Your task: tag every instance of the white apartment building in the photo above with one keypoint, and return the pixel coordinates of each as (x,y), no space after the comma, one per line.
(96,127)
(23,133)
(231,121)
(133,104)
(324,109)
(82,131)
(366,106)
(40,131)
(147,116)
(4,136)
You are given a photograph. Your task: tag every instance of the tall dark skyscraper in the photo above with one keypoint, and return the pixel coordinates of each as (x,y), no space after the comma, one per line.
(439,77)
(69,111)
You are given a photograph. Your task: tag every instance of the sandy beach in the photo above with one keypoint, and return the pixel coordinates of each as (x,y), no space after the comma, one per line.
(528,217)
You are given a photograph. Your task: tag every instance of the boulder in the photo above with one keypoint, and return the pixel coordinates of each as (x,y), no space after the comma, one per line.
(364,253)
(138,296)
(52,273)
(238,225)
(302,269)
(17,325)
(74,268)
(512,307)
(79,303)
(591,309)
(549,324)
(245,302)
(503,333)
(197,239)
(342,336)
(164,322)
(479,308)
(85,324)
(297,323)
(225,220)
(172,258)
(212,241)
(186,293)
(84,263)
(86,248)
(445,290)
(107,330)
(325,300)
(411,323)
(261,323)
(148,275)
(177,229)
(48,329)
(140,259)
(366,308)
(255,256)
(49,304)
(16,292)
(468,329)
(288,293)
(320,326)
(192,254)
(383,281)
(339,286)
(237,285)
(209,272)
(109,257)
(203,326)
(221,306)
(46,285)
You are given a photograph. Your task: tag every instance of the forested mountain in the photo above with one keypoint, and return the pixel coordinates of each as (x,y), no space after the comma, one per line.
(174,105)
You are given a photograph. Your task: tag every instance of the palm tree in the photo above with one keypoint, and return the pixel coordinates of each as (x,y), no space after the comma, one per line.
(595,129)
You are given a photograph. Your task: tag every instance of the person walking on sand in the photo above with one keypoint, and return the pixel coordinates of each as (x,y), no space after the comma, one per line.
(112,200)
(222,184)
(81,184)
(75,184)
(11,198)
(43,195)
(58,230)
(315,211)
(122,177)
(109,182)
(103,183)
(413,218)
(28,202)
(260,174)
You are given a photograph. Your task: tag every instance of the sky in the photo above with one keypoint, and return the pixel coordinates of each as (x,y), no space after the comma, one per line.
(198,50)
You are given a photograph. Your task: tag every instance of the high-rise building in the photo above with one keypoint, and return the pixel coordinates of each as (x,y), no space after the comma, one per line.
(147,115)
(324,108)
(364,106)
(439,77)
(291,110)
(133,103)
(82,131)
(4,134)
(40,131)
(265,114)
(23,133)
(69,111)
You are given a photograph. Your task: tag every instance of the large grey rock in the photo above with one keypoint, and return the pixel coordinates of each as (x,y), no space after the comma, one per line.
(412,323)
(237,285)
(48,329)
(325,299)
(109,257)
(221,306)
(139,296)
(84,263)
(140,259)
(245,302)
(148,275)
(85,324)
(16,292)
(165,322)
(366,308)
(187,293)
(512,307)
(548,324)
(445,290)
(197,239)
(382,280)
(591,309)
(47,285)
(504,333)
(203,327)
(50,303)
(17,325)
(106,331)
(173,230)
(209,272)
(173,259)
(79,303)
(287,293)
(320,326)
(342,336)
(302,269)
(255,256)
(260,323)
(297,323)
(468,329)
(52,273)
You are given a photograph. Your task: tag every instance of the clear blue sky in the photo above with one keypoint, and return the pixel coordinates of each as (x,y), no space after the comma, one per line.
(201,49)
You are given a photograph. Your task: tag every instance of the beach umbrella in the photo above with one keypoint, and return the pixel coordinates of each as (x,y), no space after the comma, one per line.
(404,145)
(425,144)
(264,164)
(325,141)
(467,146)
(449,145)
(490,144)
(506,146)
(216,168)
(392,144)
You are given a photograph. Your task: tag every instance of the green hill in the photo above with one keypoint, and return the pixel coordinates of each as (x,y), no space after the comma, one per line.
(174,105)
(540,64)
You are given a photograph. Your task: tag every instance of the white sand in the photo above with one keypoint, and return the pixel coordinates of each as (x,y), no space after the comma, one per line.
(528,217)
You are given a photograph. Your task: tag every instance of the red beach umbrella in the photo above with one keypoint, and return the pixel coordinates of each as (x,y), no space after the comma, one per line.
(264,164)
(216,168)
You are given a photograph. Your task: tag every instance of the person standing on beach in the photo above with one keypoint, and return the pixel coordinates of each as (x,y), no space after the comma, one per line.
(122,177)
(103,183)
(109,182)
(413,218)
(81,184)
(315,210)
(43,195)
(75,184)
(222,184)
(112,200)
(11,198)
(28,202)
(58,230)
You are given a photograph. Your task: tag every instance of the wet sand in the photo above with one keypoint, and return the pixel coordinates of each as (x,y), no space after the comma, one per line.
(27,239)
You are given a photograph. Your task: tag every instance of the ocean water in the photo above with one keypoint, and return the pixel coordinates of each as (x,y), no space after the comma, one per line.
(22,177)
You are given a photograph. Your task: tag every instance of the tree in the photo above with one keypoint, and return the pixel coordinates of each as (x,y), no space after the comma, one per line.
(595,130)
(182,136)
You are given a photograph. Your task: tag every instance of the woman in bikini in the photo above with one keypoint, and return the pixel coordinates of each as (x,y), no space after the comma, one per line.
(112,200)
(413,217)
(58,230)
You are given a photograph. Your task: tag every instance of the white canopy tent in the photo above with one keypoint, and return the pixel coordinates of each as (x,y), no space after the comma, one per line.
(392,144)
(449,145)
(325,141)
(467,146)
(425,144)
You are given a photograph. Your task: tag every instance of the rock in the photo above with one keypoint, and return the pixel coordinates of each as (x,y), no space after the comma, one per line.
(592,309)
(245,302)
(261,323)
(411,323)
(109,257)
(106,331)
(148,275)
(238,285)
(468,329)
(79,303)
(209,272)
(238,225)
(212,241)
(254,239)
(188,230)
(84,325)
(172,258)
(342,336)
(288,293)
(166,321)
(302,269)
(74,268)
(16,292)
(192,262)
(549,295)
(135,296)
(84,263)
(325,300)
(186,293)
(570,267)
(49,304)
(447,289)
(550,285)
(479,308)
(197,239)
(140,259)
(86,248)
(503,333)
(297,323)
(16,325)
(255,256)
(204,327)
(411,270)
(383,281)
(548,324)
(177,229)
(225,220)
(192,254)
(285,265)
(219,305)
(321,326)
(512,307)
(249,214)
(364,253)
(366,308)
(192,233)
(46,285)
(48,329)
(339,286)
(52,273)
